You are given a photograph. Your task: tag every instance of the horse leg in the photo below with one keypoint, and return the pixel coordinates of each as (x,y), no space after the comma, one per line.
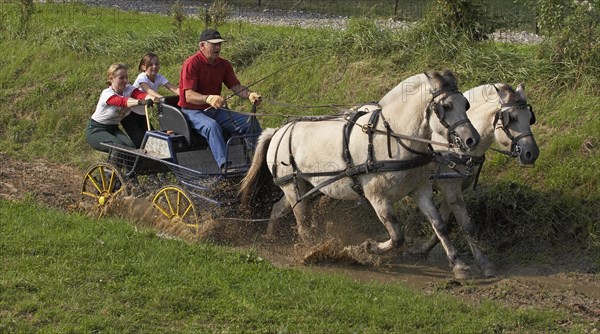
(385,212)
(278,212)
(428,245)
(301,212)
(300,208)
(424,199)
(456,203)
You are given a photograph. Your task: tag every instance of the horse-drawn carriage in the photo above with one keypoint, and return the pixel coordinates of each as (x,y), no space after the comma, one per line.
(175,166)
(382,163)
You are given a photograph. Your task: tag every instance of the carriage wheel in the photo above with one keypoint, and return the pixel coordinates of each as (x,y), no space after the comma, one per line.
(101,184)
(176,205)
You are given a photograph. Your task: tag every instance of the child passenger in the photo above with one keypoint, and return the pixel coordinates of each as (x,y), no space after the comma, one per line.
(149,80)
(115,103)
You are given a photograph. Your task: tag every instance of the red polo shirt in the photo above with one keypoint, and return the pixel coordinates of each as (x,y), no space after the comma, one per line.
(207,79)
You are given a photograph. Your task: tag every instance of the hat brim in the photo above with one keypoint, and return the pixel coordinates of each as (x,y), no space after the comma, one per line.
(216,40)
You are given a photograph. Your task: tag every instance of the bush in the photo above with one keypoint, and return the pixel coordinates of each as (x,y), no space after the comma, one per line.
(573,38)
(463,17)
(215,14)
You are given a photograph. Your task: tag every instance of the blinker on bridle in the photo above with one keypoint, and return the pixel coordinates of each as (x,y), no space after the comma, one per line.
(438,109)
(503,115)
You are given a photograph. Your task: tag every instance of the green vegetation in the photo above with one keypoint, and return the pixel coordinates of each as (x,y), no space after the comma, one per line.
(72,274)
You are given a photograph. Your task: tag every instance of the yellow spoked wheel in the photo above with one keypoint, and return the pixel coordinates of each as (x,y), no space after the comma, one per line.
(176,205)
(101,184)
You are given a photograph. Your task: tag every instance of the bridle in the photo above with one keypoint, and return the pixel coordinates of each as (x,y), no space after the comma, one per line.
(438,109)
(503,115)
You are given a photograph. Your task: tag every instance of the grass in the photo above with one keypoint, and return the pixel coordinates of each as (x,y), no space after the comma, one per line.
(70,273)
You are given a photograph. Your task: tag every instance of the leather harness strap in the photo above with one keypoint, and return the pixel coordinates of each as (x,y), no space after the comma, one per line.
(452,160)
(352,170)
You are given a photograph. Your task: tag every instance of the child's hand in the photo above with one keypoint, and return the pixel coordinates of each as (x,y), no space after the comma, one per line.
(147,103)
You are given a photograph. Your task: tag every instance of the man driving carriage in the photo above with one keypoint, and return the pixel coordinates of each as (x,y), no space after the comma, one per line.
(202,77)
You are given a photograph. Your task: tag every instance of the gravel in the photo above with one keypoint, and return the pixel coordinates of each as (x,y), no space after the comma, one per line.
(277,17)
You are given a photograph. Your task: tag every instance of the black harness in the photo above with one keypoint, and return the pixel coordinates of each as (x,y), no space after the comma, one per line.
(371,165)
(352,169)
(452,161)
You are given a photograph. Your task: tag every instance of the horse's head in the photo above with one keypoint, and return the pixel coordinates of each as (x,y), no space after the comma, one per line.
(450,106)
(513,121)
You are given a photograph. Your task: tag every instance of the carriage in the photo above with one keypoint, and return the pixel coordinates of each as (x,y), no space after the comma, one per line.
(298,167)
(174,168)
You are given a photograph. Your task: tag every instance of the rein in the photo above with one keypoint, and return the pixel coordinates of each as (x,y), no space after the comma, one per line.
(371,165)
(344,117)
(369,127)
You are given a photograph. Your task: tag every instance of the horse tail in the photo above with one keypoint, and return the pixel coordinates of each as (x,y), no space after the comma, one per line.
(258,174)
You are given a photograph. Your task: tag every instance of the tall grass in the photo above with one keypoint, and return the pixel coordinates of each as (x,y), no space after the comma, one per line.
(52,77)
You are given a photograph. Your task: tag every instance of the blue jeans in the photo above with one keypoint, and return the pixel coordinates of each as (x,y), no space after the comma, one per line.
(211,124)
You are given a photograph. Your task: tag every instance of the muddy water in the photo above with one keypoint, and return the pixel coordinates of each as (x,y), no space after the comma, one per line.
(353,225)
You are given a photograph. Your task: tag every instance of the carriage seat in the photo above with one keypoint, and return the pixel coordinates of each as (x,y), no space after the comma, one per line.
(170,117)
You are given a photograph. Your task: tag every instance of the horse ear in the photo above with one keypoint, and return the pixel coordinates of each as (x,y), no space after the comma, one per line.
(449,79)
(521,91)
(449,75)
(503,93)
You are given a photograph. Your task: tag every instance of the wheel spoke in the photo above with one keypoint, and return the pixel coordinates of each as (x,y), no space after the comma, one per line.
(160,208)
(102,178)
(95,196)
(187,210)
(93,181)
(112,180)
(178,203)
(169,205)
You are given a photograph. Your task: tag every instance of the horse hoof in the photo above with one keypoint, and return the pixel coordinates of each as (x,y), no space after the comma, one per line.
(418,252)
(489,271)
(461,272)
(369,247)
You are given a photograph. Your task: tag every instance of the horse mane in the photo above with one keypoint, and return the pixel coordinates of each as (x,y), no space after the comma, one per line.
(412,95)
(510,94)
(442,81)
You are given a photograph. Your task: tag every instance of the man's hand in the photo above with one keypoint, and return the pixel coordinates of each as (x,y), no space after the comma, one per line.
(216,101)
(255,98)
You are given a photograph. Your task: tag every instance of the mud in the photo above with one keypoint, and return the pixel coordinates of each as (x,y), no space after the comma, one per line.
(568,285)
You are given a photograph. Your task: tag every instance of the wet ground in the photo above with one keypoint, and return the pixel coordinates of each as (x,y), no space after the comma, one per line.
(569,284)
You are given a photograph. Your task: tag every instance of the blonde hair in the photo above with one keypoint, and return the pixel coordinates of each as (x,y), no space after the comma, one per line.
(114,68)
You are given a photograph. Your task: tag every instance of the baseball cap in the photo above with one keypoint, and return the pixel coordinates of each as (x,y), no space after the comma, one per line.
(211,36)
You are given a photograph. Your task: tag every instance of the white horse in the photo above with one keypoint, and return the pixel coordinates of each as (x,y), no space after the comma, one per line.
(500,114)
(380,161)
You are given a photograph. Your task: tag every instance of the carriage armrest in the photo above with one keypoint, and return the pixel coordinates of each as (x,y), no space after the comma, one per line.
(169,100)
(171,118)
